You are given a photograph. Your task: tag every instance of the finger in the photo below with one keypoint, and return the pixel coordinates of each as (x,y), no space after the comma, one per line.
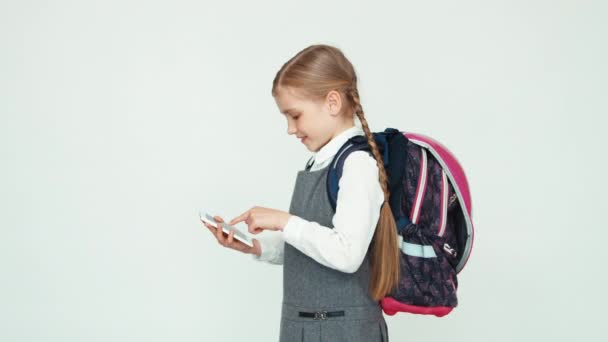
(222,240)
(213,231)
(239,218)
(207,224)
(217,218)
(231,237)
(219,233)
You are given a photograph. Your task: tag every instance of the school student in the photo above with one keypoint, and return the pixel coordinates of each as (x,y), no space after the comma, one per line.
(336,265)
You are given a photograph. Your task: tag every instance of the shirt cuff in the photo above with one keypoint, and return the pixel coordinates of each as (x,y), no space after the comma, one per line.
(292,231)
(267,252)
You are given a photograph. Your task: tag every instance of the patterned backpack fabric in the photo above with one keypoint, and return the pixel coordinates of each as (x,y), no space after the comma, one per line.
(431,203)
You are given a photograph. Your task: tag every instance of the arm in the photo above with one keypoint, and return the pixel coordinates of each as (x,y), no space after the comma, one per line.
(357,212)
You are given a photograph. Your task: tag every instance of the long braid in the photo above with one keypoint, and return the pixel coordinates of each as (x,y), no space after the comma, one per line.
(354,95)
(385,256)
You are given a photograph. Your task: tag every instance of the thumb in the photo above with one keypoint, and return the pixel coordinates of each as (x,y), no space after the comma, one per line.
(257,247)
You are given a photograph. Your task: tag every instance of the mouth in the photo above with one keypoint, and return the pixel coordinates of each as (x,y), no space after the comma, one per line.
(302,139)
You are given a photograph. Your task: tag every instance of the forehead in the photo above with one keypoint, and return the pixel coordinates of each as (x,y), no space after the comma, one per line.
(289,100)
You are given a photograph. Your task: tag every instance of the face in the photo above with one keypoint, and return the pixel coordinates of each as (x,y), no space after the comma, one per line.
(314,123)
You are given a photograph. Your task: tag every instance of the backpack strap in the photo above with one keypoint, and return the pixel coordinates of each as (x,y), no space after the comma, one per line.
(356,143)
(391,144)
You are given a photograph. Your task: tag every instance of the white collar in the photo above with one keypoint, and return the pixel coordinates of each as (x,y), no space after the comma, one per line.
(331,148)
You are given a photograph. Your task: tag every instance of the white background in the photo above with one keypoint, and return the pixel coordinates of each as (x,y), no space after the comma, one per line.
(120,119)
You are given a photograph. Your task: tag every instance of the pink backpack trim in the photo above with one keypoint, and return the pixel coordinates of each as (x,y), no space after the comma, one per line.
(420,191)
(390,306)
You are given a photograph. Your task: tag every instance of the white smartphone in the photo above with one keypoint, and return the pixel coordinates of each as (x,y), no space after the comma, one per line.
(239,235)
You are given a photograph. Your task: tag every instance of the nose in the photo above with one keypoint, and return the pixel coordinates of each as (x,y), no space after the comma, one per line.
(291,129)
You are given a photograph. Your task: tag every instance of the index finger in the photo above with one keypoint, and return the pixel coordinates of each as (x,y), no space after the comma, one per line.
(239,218)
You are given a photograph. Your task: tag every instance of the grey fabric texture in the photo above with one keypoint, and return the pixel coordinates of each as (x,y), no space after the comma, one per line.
(309,286)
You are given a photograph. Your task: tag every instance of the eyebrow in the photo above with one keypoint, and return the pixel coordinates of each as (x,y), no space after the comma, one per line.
(287,110)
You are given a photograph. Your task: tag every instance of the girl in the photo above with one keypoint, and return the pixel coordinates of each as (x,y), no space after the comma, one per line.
(337,266)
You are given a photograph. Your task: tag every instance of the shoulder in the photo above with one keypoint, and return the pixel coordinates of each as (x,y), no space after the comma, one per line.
(360,179)
(360,161)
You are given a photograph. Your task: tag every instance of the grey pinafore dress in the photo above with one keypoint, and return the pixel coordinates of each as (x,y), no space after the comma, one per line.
(310,288)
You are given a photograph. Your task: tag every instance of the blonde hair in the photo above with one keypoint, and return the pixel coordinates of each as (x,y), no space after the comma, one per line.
(315,71)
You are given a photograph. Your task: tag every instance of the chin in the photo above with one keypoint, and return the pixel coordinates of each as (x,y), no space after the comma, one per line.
(311,148)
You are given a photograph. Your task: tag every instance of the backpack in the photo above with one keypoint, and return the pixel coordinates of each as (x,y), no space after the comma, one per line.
(431,204)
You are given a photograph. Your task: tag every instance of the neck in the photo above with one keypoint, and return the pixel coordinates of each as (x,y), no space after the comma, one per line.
(346,124)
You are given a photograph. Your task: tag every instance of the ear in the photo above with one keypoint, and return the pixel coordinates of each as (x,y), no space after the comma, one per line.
(333,101)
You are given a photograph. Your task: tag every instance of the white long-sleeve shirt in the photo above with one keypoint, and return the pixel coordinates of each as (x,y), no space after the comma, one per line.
(357,212)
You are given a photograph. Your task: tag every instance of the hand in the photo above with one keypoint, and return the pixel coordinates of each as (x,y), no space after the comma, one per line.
(229,241)
(260,218)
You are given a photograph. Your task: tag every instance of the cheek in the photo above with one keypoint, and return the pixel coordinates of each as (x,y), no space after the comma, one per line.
(301,126)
